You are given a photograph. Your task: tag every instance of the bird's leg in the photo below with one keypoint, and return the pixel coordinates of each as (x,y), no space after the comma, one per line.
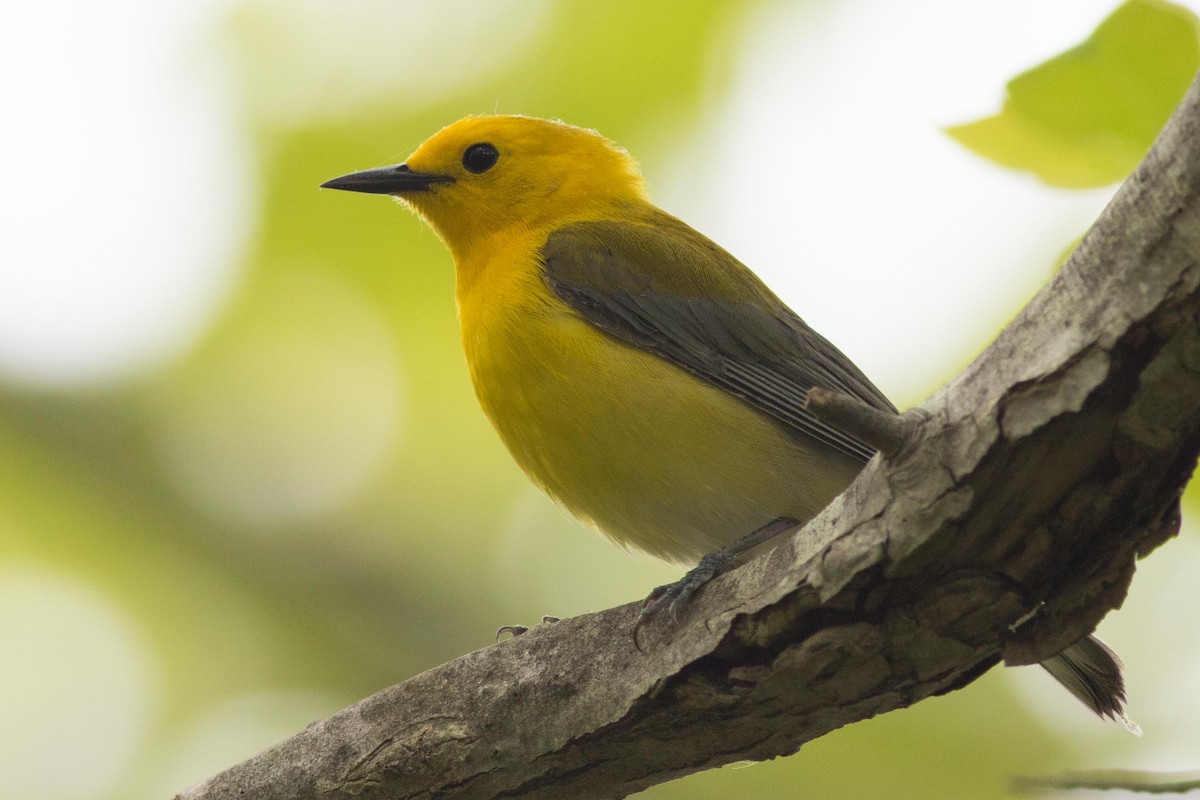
(674,596)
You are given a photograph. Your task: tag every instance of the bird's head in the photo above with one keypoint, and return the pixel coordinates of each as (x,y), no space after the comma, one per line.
(487,174)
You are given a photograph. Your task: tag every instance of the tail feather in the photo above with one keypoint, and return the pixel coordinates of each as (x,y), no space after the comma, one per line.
(1092,672)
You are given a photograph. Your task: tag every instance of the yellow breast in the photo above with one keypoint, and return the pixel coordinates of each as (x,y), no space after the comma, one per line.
(652,456)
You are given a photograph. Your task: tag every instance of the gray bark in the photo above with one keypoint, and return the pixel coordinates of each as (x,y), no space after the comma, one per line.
(1003,529)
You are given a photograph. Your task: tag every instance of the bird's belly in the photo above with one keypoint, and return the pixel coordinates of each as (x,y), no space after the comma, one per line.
(651,455)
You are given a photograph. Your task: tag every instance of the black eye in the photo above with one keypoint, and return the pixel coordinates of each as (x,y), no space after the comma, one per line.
(480,157)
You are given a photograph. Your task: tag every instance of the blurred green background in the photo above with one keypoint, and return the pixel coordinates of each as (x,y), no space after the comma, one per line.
(243,478)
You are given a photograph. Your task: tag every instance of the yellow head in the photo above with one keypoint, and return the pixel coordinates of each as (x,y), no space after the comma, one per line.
(487,174)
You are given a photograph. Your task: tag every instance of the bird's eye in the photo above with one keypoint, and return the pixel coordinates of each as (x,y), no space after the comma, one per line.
(480,157)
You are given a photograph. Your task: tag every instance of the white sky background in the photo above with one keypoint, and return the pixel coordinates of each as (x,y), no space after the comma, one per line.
(128,195)
(127,191)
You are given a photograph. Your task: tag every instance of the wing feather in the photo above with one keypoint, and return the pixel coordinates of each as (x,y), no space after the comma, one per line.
(665,288)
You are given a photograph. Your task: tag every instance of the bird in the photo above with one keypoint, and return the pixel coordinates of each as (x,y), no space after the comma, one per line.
(637,372)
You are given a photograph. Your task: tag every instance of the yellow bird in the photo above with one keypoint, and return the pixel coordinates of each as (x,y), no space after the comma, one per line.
(638,373)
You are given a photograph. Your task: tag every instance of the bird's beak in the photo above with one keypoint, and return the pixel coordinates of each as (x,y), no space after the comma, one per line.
(397,179)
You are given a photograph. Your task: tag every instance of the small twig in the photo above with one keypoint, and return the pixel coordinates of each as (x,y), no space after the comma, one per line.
(888,433)
(1127,780)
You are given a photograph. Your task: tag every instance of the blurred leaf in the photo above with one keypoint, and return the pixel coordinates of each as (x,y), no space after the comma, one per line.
(1086,117)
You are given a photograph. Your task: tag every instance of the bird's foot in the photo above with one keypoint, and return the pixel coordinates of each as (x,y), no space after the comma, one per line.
(672,597)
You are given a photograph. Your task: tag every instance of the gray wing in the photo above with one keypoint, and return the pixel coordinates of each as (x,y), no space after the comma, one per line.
(715,320)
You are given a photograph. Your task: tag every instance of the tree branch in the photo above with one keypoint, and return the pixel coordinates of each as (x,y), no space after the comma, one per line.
(1003,530)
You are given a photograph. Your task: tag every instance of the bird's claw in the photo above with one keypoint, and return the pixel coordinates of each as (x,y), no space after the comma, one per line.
(516,630)
(512,630)
(672,597)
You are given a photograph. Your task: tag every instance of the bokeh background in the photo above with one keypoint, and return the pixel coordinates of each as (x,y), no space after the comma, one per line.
(243,478)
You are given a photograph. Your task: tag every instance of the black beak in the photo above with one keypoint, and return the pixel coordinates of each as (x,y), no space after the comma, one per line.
(398,179)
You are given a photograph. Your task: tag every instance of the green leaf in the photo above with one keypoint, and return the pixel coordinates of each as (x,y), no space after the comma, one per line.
(1085,118)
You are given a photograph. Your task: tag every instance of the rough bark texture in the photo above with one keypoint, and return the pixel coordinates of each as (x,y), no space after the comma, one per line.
(1004,530)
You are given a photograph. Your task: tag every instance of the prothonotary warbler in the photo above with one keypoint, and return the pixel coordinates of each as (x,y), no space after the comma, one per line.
(640,374)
